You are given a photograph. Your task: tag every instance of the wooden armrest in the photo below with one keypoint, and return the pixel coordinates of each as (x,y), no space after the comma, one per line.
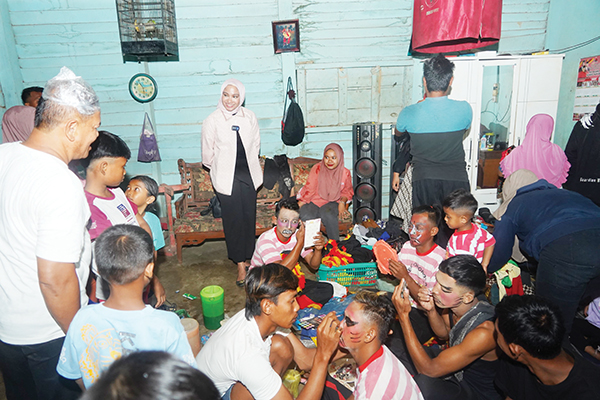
(171,189)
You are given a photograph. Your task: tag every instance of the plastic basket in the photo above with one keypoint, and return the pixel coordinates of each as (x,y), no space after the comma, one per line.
(357,274)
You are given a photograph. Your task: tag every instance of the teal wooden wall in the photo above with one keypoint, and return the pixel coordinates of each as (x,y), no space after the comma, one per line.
(570,24)
(232,39)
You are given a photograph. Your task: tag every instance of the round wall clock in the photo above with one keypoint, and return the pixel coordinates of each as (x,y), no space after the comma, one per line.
(142,88)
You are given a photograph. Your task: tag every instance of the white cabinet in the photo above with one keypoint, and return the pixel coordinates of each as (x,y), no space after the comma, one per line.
(504,92)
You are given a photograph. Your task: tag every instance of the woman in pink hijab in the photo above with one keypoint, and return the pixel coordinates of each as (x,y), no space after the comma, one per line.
(537,154)
(230,149)
(328,191)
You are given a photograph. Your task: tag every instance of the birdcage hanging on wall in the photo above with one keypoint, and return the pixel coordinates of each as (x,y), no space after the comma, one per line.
(148,30)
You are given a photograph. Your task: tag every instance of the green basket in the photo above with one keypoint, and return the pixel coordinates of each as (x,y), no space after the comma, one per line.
(357,274)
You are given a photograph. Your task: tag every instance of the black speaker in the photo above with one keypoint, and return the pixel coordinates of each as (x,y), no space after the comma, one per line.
(366,157)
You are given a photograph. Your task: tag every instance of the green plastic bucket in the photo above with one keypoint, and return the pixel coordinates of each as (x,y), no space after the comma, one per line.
(212,306)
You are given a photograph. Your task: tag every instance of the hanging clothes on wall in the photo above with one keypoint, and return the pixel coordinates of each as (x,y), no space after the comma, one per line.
(447,26)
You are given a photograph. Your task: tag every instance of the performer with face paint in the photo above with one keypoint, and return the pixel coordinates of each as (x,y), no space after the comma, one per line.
(471,359)
(365,327)
(418,263)
(284,244)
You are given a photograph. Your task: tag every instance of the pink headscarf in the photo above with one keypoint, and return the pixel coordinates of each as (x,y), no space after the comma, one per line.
(330,180)
(240,87)
(546,160)
(17,123)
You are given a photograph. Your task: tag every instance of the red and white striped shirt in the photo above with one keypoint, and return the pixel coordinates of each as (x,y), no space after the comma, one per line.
(473,242)
(383,377)
(422,267)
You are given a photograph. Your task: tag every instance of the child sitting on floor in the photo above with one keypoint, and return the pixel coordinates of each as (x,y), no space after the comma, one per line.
(101,333)
(105,169)
(418,263)
(460,207)
(420,257)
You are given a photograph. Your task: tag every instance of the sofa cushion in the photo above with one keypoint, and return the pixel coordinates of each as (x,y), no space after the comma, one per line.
(202,189)
(192,221)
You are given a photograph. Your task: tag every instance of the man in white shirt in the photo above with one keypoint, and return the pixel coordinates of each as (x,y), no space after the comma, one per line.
(245,358)
(44,245)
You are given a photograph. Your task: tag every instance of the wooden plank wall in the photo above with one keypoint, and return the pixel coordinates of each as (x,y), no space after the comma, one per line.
(232,38)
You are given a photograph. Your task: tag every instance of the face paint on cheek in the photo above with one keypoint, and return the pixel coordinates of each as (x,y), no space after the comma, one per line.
(448,299)
(287,228)
(355,335)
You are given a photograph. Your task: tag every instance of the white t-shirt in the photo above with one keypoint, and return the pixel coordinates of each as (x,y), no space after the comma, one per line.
(236,352)
(43,213)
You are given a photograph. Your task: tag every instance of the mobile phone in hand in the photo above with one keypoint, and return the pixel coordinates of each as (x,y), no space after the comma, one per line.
(404,286)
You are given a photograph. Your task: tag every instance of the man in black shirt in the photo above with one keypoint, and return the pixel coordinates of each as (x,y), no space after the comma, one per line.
(530,332)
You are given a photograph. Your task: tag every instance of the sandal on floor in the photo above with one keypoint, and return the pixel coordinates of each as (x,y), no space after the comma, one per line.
(240,283)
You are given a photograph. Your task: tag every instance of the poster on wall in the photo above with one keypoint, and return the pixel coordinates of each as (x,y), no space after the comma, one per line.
(587,93)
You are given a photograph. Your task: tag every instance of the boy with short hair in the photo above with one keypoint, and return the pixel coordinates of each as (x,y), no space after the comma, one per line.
(284,245)
(530,331)
(466,369)
(364,329)
(246,359)
(105,171)
(101,333)
(460,207)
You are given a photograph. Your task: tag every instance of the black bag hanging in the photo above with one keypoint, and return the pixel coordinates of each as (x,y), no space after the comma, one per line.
(292,124)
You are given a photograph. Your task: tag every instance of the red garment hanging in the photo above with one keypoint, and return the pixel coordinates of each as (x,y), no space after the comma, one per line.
(453,25)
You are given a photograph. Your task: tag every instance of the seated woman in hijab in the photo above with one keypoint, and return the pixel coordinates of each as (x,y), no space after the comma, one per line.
(328,191)
(537,154)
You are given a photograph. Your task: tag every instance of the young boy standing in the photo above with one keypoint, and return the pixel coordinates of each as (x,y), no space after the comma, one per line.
(108,204)
(104,173)
(460,207)
(101,333)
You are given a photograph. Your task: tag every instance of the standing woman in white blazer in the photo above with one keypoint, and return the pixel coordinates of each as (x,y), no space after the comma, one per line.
(230,148)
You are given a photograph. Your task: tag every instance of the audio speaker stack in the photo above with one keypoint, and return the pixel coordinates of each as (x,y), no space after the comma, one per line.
(366,157)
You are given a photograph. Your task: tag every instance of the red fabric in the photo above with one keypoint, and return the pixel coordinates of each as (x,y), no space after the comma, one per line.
(332,386)
(516,288)
(304,301)
(455,25)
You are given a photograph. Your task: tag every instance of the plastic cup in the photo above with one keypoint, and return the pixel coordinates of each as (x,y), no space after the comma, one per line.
(192,330)
(212,306)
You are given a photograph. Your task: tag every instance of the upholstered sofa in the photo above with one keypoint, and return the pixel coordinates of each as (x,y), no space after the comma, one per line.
(189,227)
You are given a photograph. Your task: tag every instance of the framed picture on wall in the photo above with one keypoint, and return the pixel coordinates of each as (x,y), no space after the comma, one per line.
(286,36)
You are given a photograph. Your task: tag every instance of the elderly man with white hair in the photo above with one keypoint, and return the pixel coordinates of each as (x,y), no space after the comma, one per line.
(44,245)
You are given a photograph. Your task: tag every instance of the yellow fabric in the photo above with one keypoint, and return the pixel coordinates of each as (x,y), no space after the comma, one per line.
(509,270)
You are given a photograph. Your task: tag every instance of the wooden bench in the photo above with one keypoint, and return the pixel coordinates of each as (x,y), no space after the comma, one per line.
(191,228)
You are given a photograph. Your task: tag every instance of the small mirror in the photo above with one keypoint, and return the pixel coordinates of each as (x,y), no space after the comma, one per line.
(496,101)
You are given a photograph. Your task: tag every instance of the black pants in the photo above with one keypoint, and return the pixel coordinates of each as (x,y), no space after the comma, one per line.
(444,389)
(584,334)
(239,220)
(29,372)
(566,267)
(329,217)
(395,342)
